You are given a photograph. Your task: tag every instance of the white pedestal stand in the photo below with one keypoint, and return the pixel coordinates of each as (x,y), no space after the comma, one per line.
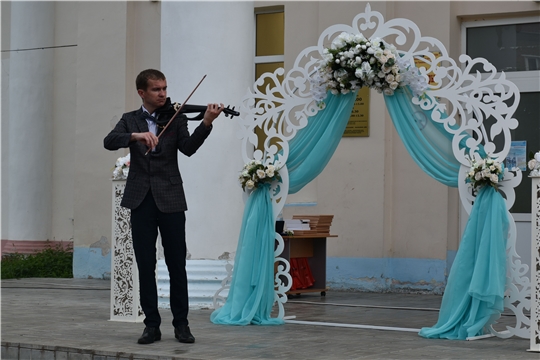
(535,265)
(125,304)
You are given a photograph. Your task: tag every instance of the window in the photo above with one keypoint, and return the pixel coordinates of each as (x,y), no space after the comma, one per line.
(269,48)
(270,39)
(513,46)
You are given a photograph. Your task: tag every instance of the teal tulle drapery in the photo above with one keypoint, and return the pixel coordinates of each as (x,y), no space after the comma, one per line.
(251,293)
(474,294)
(428,142)
(313,146)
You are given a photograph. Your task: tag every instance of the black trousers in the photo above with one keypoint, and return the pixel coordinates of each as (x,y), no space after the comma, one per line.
(145,222)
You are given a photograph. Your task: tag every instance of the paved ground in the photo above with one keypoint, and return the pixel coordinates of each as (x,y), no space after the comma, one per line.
(69,319)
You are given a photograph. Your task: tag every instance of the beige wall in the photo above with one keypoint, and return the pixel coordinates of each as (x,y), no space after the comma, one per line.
(114,44)
(481,10)
(64,121)
(101,98)
(5,24)
(380,198)
(94,84)
(384,205)
(143,45)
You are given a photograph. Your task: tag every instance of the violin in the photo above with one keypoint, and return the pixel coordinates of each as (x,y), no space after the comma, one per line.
(201,109)
(170,109)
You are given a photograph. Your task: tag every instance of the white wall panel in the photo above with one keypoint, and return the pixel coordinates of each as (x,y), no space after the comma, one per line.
(214,39)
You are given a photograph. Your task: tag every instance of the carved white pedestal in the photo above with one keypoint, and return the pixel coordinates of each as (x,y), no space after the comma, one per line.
(125,304)
(535,265)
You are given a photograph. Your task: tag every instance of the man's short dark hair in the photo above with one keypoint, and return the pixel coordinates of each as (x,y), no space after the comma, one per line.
(150,74)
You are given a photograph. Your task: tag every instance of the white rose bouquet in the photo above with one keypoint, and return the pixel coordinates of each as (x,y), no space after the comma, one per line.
(485,172)
(255,173)
(353,62)
(121,168)
(534,164)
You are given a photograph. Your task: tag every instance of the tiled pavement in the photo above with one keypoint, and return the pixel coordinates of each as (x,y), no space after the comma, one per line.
(69,319)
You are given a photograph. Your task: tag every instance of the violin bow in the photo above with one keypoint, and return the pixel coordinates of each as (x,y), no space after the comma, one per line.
(177,111)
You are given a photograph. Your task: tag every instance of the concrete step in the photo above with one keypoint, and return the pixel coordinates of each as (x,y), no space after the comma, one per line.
(204,279)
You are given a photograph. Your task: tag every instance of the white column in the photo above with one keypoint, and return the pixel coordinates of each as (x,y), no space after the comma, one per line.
(535,265)
(216,39)
(27,153)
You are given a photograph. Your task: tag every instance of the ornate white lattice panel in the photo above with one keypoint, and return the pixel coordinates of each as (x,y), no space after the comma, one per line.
(535,264)
(221,294)
(282,278)
(125,305)
(465,101)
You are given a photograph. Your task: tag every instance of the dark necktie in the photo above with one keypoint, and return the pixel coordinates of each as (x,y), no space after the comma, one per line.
(150,117)
(153,121)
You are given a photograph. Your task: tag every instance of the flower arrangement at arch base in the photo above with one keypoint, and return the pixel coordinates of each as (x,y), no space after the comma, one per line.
(485,172)
(255,173)
(352,62)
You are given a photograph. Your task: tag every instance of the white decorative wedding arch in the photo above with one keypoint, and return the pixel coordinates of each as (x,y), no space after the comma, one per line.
(459,98)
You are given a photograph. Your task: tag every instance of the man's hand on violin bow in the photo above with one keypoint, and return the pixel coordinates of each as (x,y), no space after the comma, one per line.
(147,138)
(212,112)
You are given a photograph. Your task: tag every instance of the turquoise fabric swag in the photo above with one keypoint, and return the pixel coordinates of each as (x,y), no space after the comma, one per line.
(251,294)
(474,293)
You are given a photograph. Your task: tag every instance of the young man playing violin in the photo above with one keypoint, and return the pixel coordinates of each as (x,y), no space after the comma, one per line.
(155,195)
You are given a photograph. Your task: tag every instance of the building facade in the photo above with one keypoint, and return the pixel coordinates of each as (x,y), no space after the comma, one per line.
(69,75)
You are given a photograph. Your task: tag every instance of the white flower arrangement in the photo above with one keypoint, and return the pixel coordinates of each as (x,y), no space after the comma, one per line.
(484,172)
(255,173)
(534,164)
(121,168)
(353,62)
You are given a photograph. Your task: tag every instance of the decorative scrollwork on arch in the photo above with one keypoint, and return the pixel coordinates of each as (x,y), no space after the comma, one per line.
(472,106)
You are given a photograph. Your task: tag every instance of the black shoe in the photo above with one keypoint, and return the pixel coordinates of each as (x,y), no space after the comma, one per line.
(149,335)
(183,334)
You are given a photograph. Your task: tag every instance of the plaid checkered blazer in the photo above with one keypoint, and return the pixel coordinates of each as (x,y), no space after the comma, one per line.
(158,171)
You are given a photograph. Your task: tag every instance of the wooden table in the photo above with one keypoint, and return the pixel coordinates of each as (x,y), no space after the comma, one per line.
(312,247)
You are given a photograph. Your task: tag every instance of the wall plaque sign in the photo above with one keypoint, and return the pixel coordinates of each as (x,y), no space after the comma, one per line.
(359,121)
